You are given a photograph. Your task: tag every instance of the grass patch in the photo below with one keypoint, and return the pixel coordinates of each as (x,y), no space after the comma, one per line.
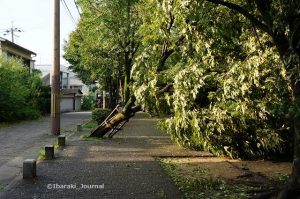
(5,124)
(279,177)
(56,146)
(86,137)
(90,125)
(201,183)
(42,155)
(161,194)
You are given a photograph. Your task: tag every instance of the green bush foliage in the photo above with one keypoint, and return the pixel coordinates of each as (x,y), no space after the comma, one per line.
(44,99)
(87,102)
(99,114)
(21,95)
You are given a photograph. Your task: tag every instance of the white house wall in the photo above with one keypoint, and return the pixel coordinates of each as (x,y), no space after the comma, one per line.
(66,105)
(77,103)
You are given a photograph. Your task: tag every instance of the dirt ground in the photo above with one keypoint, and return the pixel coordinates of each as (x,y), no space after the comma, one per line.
(229,169)
(264,175)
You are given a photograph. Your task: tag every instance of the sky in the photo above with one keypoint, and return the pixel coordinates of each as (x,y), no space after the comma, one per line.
(35,19)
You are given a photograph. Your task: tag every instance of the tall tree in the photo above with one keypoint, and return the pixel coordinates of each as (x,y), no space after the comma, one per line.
(104,44)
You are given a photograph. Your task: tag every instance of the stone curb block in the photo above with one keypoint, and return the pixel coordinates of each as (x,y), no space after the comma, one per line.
(49,152)
(29,168)
(61,140)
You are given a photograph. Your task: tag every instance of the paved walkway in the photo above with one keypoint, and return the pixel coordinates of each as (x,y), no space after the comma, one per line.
(25,139)
(122,167)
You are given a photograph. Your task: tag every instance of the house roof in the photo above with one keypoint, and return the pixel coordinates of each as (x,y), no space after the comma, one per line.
(46,68)
(5,41)
(75,81)
(71,91)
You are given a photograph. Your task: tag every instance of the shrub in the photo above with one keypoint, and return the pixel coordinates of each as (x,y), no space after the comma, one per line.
(20,92)
(87,102)
(28,113)
(44,99)
(99,114)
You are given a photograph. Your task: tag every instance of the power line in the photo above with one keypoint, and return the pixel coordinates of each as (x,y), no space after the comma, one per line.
(70,14)
(77,7)
(12,31)
(68,10)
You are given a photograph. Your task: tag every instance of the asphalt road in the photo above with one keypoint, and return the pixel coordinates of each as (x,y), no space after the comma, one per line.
(24,140)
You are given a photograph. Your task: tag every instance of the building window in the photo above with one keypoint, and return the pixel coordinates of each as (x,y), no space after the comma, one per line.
(64,80)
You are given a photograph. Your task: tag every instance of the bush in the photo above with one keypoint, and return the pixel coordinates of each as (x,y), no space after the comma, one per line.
(20,91)
(99,114)
(87,102)
(28,113)
(44,99)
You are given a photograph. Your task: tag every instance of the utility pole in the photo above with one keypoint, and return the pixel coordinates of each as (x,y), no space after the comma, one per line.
(12,31)
(55,89)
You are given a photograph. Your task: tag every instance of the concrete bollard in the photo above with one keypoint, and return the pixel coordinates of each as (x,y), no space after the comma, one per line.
(29,168)
(79,128)
(61,140)
(49,152)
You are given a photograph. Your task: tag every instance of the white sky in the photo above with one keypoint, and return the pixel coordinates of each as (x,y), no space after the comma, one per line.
(35,18)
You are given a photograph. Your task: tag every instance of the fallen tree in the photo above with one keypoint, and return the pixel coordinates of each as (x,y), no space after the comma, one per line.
(130,108)
(113,120)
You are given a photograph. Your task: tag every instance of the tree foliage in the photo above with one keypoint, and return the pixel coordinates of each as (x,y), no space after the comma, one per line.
(231,93)
(103,46)
(223,72)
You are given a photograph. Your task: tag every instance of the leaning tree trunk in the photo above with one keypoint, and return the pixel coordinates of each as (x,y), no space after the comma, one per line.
(128,111)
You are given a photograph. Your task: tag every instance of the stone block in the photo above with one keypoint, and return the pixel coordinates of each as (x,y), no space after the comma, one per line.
(61,140)
(29,168)
(79,128)
(49,152)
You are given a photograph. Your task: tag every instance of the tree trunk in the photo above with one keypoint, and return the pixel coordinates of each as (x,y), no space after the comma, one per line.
(128,66)
(292,188)
(296,162)
(128,111)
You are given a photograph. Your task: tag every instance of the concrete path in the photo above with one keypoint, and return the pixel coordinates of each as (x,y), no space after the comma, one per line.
(121,167)
(24,140)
